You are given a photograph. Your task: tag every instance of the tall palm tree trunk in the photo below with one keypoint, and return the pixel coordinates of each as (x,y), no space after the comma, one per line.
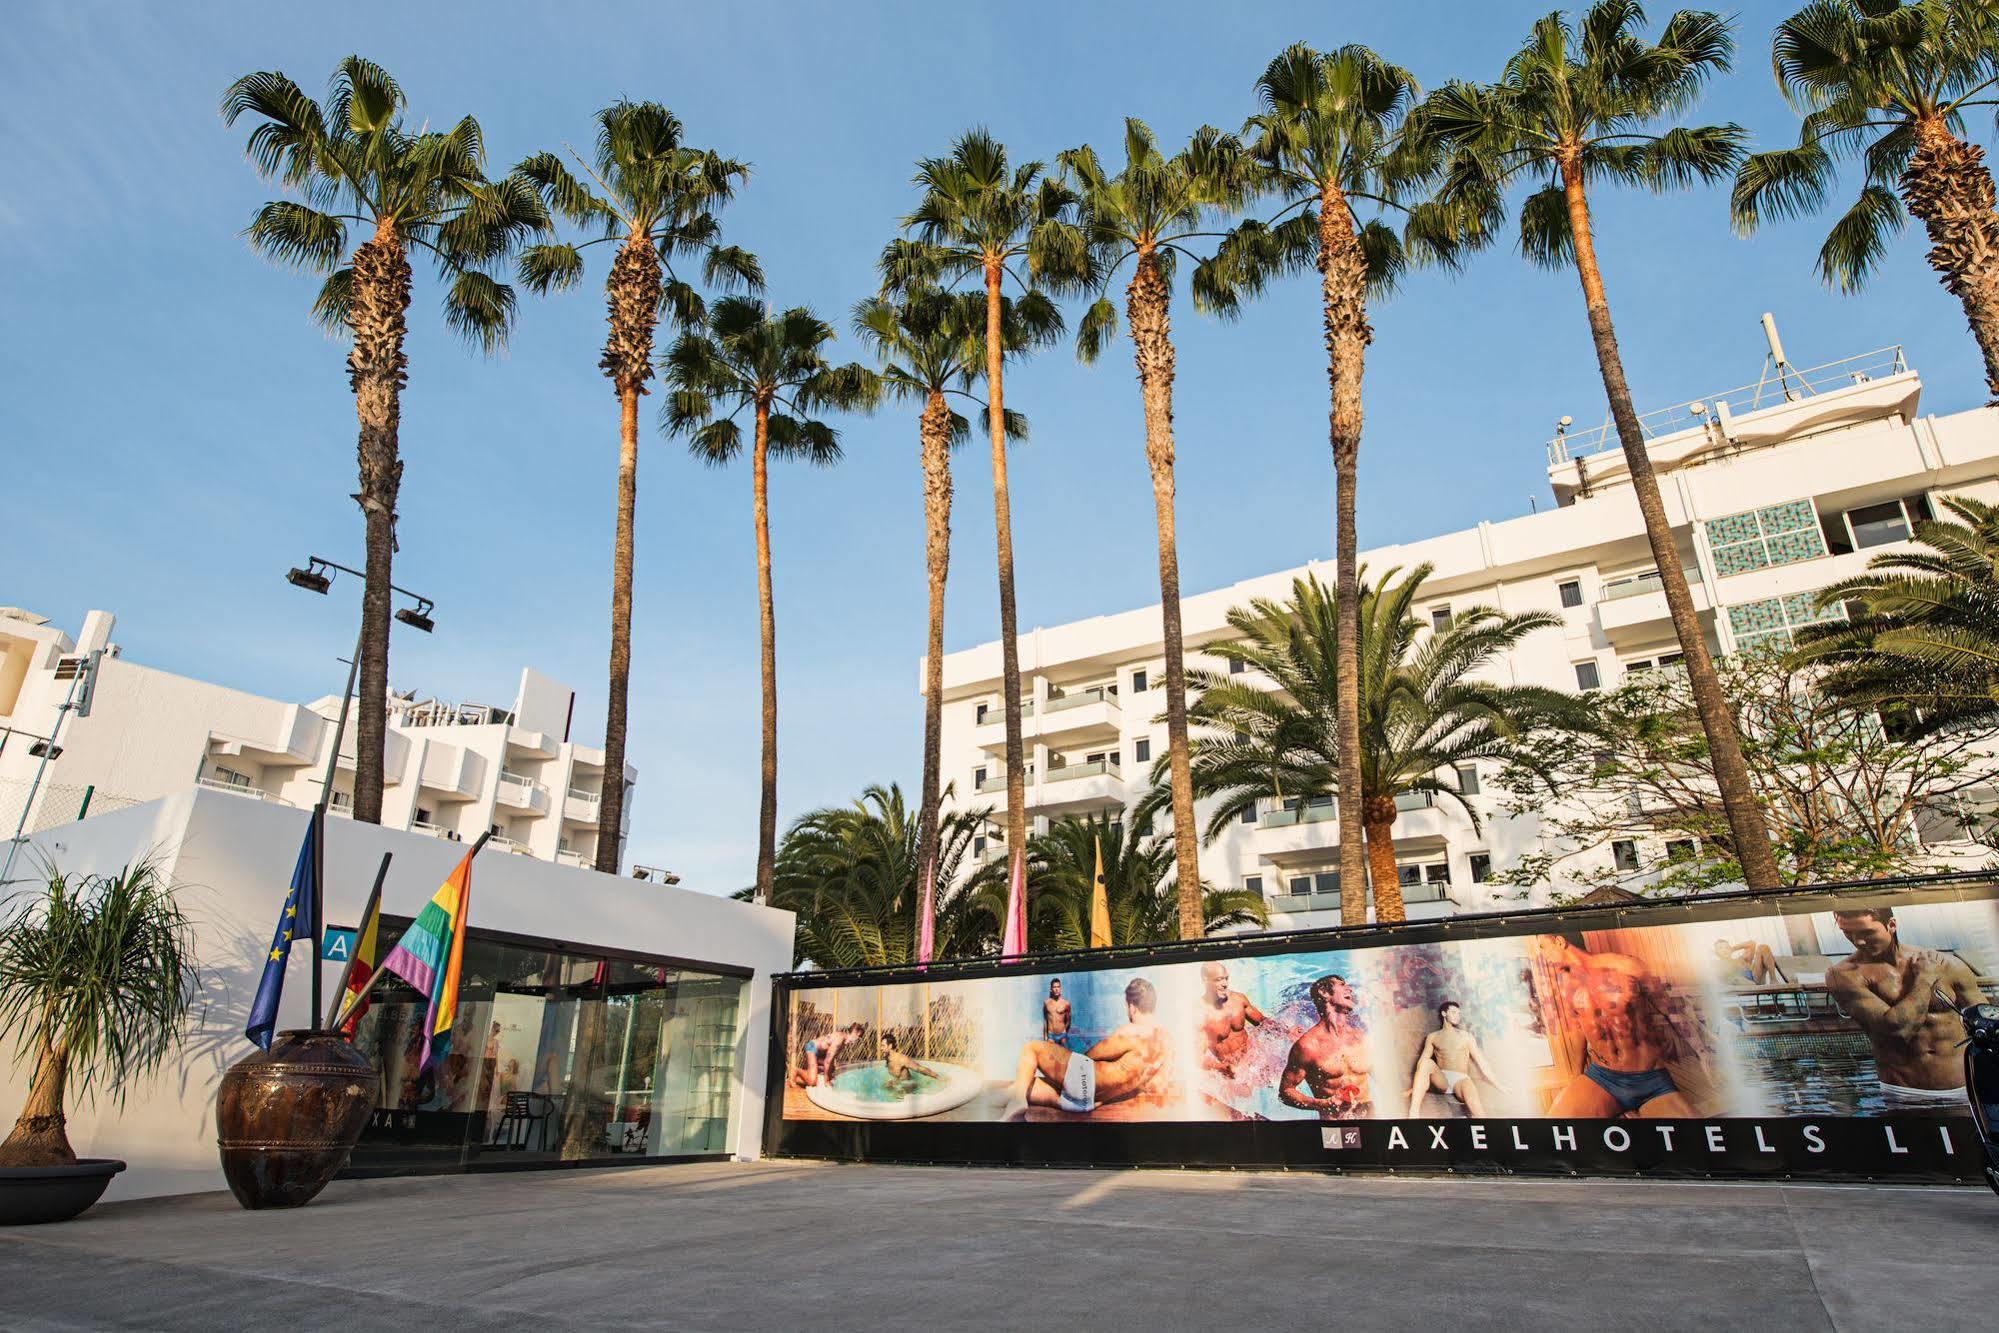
(1948,187)
(1343,288)
(1016,763)
(41,1136)
(934,436)
(377,369)
(767,805)
(633,299)
(1378,813)
(1745,819)
(1147,299)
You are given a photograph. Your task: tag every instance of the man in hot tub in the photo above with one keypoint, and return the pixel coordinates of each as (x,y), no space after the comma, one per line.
(902,1069)
(1131,1061)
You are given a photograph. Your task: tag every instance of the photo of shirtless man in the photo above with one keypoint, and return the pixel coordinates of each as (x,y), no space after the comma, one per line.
(1330,1058)
(1451,1063)
(1226,1017)
(819,1054)
(1129,1062)
(901,1070)
(1613,1001)
(1056,1015)
(1888,989)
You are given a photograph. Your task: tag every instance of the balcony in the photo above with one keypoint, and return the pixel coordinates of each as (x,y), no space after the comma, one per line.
(522,792)
(431,830)
(513,845)
(566,857)
(241,789)
(1634,611)
(451,773)
(580,806)
(1076,716)
(1292,815)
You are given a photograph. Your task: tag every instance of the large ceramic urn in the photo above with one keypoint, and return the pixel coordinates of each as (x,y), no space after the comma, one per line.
(287,1118)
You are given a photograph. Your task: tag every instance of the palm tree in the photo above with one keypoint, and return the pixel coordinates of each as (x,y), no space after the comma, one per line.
(931,345)
(1149,213)
(1424,710)
(1922,630)
(976,217)
(657,199)
(1575,107)
(853,874)
(1331,141)
(349,160)
(1889,84)
(1140,885)
(775,367)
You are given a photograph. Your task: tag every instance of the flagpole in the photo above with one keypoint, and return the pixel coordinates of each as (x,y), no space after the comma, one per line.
(319,815)
(374,903)
(378,973)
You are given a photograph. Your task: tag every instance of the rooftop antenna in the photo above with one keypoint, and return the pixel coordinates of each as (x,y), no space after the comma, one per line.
(1778,365)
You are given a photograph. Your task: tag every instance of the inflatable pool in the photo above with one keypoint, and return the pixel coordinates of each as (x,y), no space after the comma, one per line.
(864,1092)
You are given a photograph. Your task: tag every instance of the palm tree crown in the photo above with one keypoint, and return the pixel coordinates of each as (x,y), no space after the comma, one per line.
(1866,75)
(1139,886)
(351,160)
(977,212)
(743,357)
(1584,98)
(1425,710)
(934,342)
(649,187)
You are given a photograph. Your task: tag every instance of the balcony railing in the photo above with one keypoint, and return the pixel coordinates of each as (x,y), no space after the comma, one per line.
(1096,694)
(587,797)
(996,714)
(1094,768)
(511,779)
(1632,587)
(569,858)
(241,789)
(432,830)
(1415,800)
(1767,392)
(1309,814)
(504,844)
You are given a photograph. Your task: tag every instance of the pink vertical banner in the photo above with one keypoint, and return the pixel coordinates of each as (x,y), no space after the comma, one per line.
(1013,936)
(926,913)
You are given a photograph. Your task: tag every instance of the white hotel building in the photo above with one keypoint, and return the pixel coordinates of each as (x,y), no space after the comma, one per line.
(452,771)
(1774,491)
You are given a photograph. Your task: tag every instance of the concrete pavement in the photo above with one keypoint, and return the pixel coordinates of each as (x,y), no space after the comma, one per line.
(785,1245)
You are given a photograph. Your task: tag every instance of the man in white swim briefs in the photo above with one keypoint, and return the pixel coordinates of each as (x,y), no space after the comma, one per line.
(1449,1059)
(1890,991)
(1129,1061)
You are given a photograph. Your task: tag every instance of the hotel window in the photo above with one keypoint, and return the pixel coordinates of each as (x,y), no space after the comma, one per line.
(1771,622)
(1141,750)
(1249,814)
(979,845)
(1588,677)
(1624,853)
(1253,884)
(1138,682)
(1236,666)
(1877,524)
(230,777)
(1326,881)
(980,720)
(1570,591)
(1481,867)
(1780,534)
(1440,619)
(978,778)
(1680,849)
(1467,779)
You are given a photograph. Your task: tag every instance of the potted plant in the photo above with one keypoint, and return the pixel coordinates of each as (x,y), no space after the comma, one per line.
(96,975)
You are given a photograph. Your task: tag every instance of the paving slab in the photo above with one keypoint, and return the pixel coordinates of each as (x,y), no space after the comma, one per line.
(796,1245)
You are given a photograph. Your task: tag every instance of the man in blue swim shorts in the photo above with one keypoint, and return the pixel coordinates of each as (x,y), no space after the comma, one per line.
(1613,1001)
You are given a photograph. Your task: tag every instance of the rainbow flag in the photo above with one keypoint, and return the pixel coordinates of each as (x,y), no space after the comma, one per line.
(431,954)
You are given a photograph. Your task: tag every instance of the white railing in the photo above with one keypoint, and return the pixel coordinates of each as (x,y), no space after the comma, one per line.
(588,797)
(569,858)
(1095,694)
(520,780)
(1636,586)
(505,844)
(1089,770)
(241,789)
(432,830)
(1769,391)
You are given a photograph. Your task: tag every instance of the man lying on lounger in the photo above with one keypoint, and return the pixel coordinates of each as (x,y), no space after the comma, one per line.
(1130,1061)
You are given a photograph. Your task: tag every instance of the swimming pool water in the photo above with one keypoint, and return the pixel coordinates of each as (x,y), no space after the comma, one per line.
(870,1082)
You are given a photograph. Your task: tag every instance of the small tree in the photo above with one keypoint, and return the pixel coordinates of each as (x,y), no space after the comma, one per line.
(96,975)
(1845,793)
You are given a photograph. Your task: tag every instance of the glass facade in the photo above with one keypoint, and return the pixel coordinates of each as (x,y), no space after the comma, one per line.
(558,1055)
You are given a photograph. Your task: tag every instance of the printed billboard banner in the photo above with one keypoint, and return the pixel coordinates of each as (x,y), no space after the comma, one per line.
(1760,1037)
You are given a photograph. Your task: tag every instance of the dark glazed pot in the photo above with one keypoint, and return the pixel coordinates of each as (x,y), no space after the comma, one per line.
(287,1118)
(30,1194)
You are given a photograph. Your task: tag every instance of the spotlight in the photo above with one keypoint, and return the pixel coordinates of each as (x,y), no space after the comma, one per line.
(311,579)
(416,617)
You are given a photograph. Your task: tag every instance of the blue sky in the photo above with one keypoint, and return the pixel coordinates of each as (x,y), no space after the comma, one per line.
(176,432)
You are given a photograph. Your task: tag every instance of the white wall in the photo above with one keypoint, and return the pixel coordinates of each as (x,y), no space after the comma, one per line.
(231,860)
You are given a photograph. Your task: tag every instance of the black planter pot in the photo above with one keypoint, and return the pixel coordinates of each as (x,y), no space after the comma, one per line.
(286,1118)
(31,1194)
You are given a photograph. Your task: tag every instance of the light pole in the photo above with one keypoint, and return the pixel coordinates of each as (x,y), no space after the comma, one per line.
(317,576)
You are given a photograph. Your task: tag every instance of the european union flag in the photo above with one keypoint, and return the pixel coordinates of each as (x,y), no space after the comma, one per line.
(294,922)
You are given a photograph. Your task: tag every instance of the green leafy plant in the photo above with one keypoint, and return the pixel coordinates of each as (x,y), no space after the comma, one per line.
(96,975)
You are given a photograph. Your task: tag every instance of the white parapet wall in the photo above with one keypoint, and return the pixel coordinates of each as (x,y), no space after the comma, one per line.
(230,861)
